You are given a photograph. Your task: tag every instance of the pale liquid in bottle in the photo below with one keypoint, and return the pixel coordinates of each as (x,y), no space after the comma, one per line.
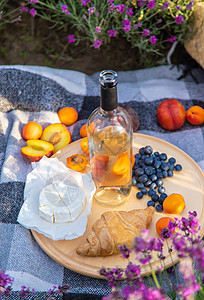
(110,144)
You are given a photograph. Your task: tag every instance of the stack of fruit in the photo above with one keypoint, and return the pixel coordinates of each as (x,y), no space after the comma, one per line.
(50,140)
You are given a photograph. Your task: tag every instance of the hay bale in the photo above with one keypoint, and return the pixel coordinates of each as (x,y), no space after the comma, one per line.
(195,45)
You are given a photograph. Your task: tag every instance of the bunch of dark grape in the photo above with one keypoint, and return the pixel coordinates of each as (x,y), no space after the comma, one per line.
(149,171)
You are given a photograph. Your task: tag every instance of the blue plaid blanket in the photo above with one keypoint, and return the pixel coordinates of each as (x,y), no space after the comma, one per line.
(36,94)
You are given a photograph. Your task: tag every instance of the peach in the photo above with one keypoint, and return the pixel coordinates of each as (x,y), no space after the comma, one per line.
(58,135)
(32,131)
(195,115)
(171,114)
(36,149)
(68,115)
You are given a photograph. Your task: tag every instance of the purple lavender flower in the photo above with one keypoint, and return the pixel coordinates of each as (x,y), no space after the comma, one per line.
(132,271)
(153,39)
(120,8)
(126,25)
(33,1)
(138,25)
(65,9)
(91,10)
(141,3)
(129,12)
(180,244)
(112,275)
(190,290)
(159,21)
(171,39)
(151,4)
(145,293)
(145,32)
(189,6)
(64,288)
(0,15)
(24,292)
(179,19)
(5,284)
(165,6)
(33,12)
(71,38)
(178,7)
(97,44)
(98,29)
(197,254)
(165,233)
(110,2)
(23,9)
(84,2)
(125,251)
(112,33)
(111,8)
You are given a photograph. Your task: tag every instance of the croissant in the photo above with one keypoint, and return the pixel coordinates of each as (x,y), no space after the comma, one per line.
(113,229)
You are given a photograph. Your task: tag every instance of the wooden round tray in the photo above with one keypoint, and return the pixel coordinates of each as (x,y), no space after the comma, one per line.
(189,182)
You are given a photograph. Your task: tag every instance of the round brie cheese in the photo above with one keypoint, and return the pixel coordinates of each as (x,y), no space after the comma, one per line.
(61,201)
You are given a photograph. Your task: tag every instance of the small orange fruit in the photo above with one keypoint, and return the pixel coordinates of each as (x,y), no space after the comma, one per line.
(83,131)
(85,145)
(122,165)
(174,204)
(77,162)
(195,115)
(32,131)
(68,115)
(162,223)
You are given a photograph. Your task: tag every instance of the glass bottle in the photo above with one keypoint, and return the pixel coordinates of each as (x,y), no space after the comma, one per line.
(110,145)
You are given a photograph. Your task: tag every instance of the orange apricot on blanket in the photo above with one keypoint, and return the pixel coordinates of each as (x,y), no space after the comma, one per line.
(67,115)
(85,145)
(162,223)
(32,131)
(174,204)
(77,162)
(195,115)
(83,131)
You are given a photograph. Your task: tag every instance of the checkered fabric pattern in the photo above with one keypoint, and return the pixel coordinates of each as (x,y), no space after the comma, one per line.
(36,94)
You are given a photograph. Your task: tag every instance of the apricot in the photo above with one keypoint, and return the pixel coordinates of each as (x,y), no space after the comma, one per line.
(58,135)
(195,115)
(85,145)
(36,149)
(32,131)
(83,131)
(174,204)
(68,115)
(171,114)
(77,162)
(162,223)
(122,165)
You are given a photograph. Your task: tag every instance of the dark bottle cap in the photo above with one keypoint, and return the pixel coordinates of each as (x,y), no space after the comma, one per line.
(109,98)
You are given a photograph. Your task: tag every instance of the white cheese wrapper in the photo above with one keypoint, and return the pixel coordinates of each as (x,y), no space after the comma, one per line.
(51,171)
